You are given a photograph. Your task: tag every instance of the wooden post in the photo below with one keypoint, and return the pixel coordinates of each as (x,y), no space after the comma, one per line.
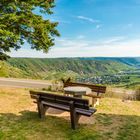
(74,117)
(98,99)
(41,109)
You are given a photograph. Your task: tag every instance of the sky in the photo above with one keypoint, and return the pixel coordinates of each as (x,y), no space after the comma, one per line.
(93,28)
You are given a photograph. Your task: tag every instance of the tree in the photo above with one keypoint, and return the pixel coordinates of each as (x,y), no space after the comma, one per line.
(18,22)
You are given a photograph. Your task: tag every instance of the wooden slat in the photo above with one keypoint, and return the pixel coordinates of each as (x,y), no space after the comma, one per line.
(61,97)
(78,102)
(86,112)
(65,102)
(57,106)
(66,108)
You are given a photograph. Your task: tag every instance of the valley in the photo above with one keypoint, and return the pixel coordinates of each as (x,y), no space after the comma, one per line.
(121,72)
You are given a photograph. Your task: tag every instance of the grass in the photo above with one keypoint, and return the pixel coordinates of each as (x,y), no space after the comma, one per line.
(114,120)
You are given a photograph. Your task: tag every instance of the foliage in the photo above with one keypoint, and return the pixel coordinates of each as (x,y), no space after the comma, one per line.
(19,22)
(3,56)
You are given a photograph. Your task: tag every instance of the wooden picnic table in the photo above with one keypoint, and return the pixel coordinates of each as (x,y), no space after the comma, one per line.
(76,91)
(95,92)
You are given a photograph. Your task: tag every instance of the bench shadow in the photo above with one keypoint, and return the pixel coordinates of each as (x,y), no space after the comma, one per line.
(54,111)
(28,123)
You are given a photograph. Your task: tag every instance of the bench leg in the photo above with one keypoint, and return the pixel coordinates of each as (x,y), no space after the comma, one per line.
(98,101)
(95,101)
(74,117)
(41,109)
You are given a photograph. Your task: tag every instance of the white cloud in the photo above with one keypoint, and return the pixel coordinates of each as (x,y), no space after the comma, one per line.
(88,19)
(83,48)
(27,53)
(116,39)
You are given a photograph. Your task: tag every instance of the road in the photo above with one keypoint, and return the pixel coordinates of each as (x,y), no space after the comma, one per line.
(11,82)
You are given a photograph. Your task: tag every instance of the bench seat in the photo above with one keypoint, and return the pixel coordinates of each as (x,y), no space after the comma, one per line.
(67,108)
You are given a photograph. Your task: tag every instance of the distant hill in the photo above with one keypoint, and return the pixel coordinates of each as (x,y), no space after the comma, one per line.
(131,61)
(53,67)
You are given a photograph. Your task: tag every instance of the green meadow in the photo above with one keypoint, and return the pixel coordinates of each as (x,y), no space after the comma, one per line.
(114,120)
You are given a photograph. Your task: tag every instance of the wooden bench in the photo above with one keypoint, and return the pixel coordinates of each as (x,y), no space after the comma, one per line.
(98,89)
(75,106)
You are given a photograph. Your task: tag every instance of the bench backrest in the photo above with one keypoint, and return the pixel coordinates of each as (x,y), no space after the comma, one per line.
(94,88)
(59,99)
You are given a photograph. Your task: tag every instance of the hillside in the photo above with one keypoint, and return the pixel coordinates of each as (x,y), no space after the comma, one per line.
(132,61)
(6,70)
(43,68)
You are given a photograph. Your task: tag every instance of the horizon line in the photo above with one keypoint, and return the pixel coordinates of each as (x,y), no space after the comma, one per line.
(82,57)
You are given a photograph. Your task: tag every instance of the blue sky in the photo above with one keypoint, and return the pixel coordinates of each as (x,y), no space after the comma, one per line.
(93,28)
